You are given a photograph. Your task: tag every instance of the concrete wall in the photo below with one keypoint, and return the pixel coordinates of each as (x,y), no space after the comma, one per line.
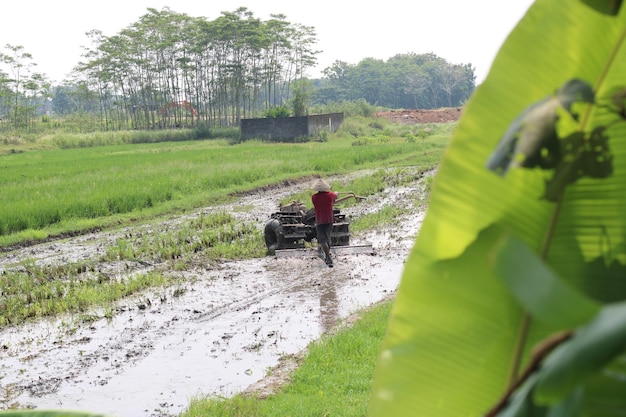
(319,122)
(286,129)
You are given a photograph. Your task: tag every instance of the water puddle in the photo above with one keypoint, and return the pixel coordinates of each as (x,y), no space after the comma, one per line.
(215,335)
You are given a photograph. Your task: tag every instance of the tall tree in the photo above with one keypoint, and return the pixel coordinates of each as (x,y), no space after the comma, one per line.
(416,84)
(451,76)
(301,96)
(20,64)
(276,49)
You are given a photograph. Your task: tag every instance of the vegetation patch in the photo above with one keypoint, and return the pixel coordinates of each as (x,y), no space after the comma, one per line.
(35,293)
(56,191)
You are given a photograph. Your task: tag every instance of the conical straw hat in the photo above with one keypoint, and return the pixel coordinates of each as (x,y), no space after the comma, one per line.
(320,185)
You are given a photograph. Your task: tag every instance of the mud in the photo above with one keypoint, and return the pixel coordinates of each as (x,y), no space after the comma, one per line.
(215,335)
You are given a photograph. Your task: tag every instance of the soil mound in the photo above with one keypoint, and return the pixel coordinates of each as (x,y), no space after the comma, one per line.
(409,117)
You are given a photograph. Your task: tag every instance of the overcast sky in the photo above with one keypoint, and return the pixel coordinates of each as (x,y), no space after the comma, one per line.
(460,31)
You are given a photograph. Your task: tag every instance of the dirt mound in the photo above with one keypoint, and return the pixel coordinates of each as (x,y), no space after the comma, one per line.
(409,117)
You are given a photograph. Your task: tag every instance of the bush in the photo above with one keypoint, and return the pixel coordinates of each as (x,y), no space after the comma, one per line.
(322,135)
(277,111)
(359,107)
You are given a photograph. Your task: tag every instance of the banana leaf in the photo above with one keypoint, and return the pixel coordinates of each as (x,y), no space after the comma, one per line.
(461,330)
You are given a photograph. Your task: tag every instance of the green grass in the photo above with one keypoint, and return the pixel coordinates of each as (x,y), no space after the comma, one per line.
(52,191)
(48,192)
(34,293)
(385,216)
(75,287)
(334,379)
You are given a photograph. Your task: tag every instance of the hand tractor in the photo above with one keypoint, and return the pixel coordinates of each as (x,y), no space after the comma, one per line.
(289,229)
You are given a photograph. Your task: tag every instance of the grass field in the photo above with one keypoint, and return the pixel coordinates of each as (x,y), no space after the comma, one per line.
(53,192)
(48,192)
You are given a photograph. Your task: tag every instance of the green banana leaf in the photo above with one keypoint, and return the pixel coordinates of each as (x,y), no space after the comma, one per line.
(459,336)
(537,289)
(594,346)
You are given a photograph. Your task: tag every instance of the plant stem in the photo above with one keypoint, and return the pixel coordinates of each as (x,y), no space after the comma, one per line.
(526,319)
(515,378)
(522,335)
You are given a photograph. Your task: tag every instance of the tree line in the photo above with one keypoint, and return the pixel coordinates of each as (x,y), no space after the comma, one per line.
(169,69)
(410,81)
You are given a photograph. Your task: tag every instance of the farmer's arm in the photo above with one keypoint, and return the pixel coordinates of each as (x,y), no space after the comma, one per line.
(350,195)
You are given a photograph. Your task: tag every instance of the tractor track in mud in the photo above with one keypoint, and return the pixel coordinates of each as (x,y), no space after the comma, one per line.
(214,335)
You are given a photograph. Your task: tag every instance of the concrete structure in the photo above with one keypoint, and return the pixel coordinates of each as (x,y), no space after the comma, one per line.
(287,129)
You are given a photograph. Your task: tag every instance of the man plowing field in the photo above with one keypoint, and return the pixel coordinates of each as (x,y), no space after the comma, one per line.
(323,202)
(288,229)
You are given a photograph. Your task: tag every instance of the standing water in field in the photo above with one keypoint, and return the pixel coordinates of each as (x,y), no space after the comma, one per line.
(214,335)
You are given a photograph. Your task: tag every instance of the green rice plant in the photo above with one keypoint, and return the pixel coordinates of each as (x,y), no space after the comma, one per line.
(52,191)
(386,216)
(217,235)
(123,249)
(248,245)
(428,184)
(119,137)
(27,294)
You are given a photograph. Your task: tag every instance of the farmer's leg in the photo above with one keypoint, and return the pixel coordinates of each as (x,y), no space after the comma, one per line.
(323,238)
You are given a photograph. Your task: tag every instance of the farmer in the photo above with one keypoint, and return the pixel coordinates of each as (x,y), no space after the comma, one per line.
(323,202)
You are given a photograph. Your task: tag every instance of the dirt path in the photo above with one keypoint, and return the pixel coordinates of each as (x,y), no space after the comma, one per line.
(214,335)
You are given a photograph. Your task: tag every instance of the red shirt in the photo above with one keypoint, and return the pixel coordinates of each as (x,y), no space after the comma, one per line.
(323,203)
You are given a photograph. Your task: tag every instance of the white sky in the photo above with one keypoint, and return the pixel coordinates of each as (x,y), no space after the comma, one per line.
(460,31)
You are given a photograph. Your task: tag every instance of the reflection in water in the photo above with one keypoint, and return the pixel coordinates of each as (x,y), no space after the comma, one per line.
(329,306)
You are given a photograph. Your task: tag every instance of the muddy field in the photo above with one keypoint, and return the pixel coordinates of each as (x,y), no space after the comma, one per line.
(215,335)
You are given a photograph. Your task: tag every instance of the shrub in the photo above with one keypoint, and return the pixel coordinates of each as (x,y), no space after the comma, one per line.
(277,111)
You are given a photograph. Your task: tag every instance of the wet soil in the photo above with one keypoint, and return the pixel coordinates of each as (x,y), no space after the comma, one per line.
(216,334)
(410,117)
